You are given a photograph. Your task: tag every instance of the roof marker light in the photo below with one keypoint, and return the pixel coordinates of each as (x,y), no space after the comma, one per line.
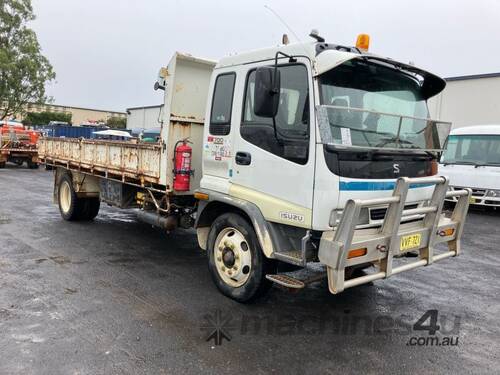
(363,42)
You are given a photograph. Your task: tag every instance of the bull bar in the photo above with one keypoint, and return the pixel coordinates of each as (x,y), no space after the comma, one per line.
(381,245)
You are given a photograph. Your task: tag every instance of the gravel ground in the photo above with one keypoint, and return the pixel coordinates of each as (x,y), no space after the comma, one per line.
(116,296)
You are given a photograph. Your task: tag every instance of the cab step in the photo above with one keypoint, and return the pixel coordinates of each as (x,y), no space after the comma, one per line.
(286,281)
(300,278)
(292,257)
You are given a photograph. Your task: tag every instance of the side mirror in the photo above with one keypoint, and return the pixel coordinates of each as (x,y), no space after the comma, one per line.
(267,91)
(158,86)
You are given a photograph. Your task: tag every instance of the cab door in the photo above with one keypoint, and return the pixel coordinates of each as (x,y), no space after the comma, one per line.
(273,163)
(219,126)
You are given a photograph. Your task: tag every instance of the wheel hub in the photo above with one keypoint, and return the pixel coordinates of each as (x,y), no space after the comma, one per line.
(65,197)
(228,257)
(233,258)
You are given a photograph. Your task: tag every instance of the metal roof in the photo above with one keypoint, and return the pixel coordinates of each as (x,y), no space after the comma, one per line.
(145,107)
(473,76)
(477,130)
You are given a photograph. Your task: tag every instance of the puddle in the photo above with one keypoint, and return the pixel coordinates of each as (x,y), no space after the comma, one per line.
(28,338)
(126,217)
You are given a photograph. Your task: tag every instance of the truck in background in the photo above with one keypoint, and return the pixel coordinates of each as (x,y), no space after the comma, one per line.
(18,145)
(313,154)
(472,160)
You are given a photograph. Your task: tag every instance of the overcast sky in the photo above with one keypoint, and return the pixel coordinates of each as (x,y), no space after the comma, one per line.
(107,53)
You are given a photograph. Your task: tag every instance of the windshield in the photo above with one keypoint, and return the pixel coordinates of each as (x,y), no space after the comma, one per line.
(472,149)
(371,105)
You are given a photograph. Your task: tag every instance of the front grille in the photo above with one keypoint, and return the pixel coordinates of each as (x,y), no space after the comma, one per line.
(477,192)
(379,213)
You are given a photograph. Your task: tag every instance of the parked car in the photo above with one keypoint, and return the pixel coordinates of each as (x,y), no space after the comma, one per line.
(115,135)
(151,135)
(472,159)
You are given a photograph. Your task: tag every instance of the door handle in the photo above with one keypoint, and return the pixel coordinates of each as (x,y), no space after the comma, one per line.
(243,158)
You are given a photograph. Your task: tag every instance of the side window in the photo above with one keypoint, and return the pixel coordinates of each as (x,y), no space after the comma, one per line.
(291,140)
(222,102)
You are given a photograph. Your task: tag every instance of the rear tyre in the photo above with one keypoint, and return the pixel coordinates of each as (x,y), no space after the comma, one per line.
(2,164)
(90,208)
(32,165)
(70,207)
(235,259)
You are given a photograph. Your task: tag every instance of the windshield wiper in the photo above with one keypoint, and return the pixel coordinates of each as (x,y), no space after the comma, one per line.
(395,140)
(486,164)
(459,162)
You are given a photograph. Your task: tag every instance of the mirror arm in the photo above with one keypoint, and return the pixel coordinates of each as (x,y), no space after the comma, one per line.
(276,136)
(276,90)
(292,60)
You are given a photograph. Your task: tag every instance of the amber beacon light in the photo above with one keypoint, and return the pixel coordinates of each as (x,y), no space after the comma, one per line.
(363,42)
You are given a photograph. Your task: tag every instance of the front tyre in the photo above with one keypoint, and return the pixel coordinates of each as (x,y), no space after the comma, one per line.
(235,259)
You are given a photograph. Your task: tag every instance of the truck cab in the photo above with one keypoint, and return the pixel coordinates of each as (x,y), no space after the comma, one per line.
(292,134)
(472,159)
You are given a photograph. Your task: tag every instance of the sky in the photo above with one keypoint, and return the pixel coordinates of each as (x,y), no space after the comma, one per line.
(107,53)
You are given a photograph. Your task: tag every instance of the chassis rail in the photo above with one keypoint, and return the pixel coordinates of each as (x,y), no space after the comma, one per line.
(381,245)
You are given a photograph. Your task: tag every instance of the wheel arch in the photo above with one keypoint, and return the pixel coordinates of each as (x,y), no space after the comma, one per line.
(85,185)
(219,204)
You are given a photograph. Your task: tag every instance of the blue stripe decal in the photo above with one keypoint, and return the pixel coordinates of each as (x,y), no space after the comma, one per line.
(374,185)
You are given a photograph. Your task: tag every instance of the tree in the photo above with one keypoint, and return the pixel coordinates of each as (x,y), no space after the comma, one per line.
(117,122)
(24,71)
(43,118)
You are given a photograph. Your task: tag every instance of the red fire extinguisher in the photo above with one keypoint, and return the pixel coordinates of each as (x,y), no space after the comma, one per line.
(182,165)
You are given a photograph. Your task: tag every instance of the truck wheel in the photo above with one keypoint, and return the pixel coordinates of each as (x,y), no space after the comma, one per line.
(2,164)
(235,259)
(32,165)
(70,206)
(90,208)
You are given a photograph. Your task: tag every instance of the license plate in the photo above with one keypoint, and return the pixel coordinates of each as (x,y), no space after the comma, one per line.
(411,241)
(472,200)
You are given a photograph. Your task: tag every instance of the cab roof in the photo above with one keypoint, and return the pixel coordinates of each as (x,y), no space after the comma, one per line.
(326,56)
(477,130)
(308,50)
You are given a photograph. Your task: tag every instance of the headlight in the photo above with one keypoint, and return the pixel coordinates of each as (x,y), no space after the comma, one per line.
(493,193)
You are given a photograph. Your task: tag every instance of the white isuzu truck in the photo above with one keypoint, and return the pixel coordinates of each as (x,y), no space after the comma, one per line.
(314,154)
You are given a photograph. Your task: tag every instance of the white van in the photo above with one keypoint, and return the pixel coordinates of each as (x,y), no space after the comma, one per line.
(472,159)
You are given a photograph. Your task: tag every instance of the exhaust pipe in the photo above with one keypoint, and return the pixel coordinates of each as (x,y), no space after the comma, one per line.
(168,223)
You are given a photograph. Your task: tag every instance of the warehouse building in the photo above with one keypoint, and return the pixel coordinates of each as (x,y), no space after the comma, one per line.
(469,100)
(144,117)
(79,115)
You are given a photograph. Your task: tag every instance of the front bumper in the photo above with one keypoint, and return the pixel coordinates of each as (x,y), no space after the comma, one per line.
(380,246)
(479,197)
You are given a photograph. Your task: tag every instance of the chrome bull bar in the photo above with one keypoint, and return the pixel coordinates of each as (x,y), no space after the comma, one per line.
(380,246)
